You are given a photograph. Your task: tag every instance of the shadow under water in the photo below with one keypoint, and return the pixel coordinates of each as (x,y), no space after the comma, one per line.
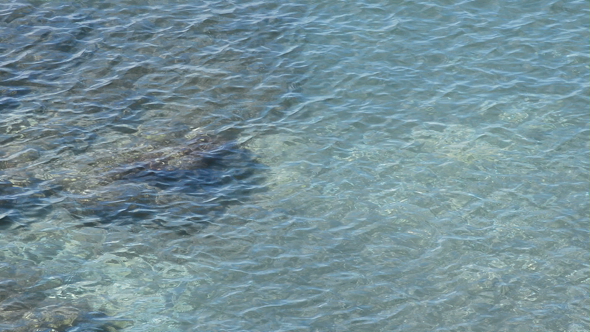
(183,185)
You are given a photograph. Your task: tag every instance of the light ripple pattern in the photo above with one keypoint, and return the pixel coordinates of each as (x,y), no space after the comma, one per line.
(398,166)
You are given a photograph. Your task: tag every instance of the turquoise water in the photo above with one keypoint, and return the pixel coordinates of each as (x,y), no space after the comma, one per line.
(400,166)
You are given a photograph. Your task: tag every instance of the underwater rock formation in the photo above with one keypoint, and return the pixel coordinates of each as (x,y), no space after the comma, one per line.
(198,154)
(198,177)
(24,307)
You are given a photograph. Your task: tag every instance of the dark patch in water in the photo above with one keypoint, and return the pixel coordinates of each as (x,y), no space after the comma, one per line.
(199,156)
(193,181)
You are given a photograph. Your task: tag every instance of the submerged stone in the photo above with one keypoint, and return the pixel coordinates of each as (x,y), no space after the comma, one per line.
(192,180)
(24,307)
(201,153)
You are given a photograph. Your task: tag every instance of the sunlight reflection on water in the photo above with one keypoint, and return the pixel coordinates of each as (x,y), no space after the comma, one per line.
(407,166)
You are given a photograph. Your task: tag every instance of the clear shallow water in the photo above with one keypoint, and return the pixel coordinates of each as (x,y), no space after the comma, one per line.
(419,166)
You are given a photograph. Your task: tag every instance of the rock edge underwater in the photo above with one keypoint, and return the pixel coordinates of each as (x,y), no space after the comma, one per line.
(200,176)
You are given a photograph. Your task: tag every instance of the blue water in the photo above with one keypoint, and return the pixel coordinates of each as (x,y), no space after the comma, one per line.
(381,166)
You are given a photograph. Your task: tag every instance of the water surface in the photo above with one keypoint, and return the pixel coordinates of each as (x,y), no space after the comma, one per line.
(398,166)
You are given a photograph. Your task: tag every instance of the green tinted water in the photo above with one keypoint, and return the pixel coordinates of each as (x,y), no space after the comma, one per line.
(420,166)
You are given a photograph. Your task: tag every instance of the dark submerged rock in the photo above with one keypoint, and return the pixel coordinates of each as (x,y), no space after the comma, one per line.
(25,307)
(191,182)
(201,153)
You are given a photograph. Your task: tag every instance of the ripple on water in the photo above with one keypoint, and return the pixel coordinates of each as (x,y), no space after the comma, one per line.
(379,166)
